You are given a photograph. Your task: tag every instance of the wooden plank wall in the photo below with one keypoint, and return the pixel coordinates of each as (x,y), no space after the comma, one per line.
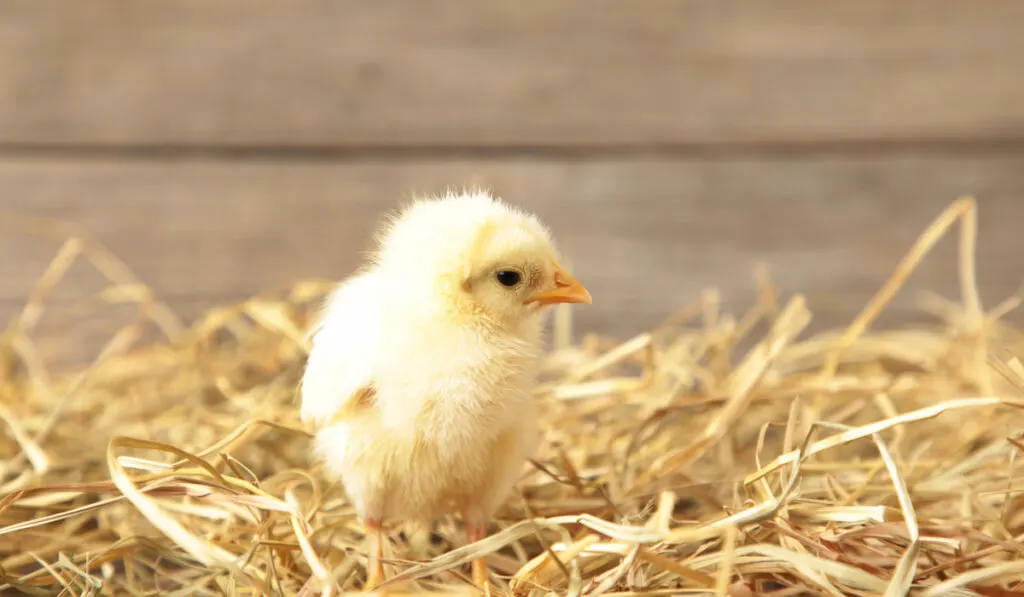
(224,148)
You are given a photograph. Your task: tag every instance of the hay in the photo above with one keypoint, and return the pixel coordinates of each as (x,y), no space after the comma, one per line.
(849,463)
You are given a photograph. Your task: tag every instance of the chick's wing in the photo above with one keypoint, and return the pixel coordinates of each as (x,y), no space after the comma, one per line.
(345,342)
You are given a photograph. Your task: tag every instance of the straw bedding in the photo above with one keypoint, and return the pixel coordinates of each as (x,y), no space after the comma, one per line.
(716,454)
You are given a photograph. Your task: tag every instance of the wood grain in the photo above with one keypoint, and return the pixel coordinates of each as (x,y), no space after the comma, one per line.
(533,74)
(647,236)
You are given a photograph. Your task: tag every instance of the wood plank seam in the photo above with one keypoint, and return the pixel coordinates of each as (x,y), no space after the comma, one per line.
(830,147)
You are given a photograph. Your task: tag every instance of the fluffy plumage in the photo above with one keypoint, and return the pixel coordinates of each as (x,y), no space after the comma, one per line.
(420,376)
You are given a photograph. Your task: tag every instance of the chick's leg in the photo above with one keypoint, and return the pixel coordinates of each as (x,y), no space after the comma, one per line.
(476,529)
(508,452)
(374,553)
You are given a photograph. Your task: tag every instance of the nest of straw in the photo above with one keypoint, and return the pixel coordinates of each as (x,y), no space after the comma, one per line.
(854,462)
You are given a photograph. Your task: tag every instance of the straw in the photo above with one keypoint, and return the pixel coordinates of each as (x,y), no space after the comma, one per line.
(855,461)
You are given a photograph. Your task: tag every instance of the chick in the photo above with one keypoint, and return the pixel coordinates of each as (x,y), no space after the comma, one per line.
(420,376)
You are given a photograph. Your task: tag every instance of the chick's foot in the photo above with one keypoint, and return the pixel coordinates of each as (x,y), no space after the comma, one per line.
(375,554)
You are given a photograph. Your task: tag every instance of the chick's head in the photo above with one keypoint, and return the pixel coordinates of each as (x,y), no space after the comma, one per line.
(476,257)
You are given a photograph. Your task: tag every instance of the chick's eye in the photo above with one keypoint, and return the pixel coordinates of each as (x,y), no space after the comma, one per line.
(508,278)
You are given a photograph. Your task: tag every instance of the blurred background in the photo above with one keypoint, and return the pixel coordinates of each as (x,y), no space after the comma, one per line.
(222,149)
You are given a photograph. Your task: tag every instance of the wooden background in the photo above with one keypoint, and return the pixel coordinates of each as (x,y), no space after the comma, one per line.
(224,148)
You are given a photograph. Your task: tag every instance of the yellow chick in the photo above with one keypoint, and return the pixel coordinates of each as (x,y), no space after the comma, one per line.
(422,364)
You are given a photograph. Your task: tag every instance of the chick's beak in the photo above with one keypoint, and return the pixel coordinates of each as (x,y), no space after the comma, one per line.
(567,290)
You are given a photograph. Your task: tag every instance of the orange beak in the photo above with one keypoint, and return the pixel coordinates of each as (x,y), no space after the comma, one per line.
(567,290)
